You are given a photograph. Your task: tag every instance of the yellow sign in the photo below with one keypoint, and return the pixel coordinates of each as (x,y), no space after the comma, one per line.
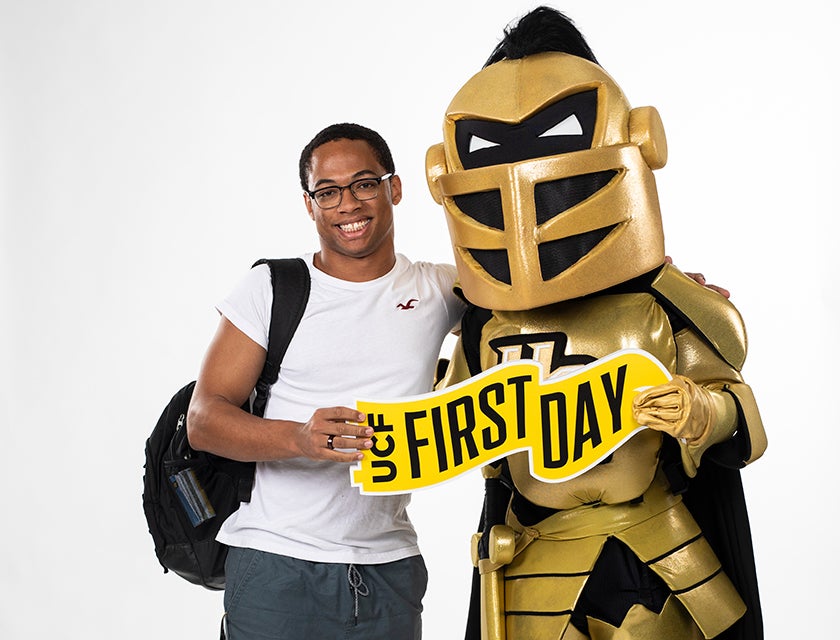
(569,423)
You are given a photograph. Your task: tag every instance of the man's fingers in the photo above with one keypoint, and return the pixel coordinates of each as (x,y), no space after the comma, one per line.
(699,278)
(342,421)
(347,442)
(340,414)
(335,433)
(724,292)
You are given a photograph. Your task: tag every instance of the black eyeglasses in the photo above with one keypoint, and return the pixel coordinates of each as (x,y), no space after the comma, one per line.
(362,189)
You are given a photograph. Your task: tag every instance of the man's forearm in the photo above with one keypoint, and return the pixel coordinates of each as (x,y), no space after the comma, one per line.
(217,426)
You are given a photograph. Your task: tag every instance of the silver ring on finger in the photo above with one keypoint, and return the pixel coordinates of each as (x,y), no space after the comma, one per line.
(330,444)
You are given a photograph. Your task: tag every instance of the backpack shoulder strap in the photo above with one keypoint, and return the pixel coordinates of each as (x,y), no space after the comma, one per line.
(290,281)
(472,324)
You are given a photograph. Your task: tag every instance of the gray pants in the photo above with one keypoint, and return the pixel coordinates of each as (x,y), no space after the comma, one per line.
(271,597)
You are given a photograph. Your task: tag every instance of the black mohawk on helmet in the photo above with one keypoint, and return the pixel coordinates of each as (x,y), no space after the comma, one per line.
(543,29)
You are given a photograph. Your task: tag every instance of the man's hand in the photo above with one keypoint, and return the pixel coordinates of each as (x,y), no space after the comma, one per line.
(331,429)
(699,278)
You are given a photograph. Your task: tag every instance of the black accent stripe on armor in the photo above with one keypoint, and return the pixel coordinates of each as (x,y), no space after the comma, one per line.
(566,612)
(675,549)
(678,592)
(526,576)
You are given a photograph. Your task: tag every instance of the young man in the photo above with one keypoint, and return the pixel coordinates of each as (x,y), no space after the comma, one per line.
(310,556)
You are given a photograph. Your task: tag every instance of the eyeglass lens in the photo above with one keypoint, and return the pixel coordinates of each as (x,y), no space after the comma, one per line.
(363,189)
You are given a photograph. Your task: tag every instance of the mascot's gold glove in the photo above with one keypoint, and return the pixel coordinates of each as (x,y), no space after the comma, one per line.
(696,415)
(679,408)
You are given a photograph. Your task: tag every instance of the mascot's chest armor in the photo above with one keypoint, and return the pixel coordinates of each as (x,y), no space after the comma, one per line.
(566,336)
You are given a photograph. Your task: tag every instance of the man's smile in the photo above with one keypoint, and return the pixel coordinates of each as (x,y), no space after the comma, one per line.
(354,227)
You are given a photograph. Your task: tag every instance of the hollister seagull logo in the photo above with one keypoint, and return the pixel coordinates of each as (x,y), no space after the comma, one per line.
(407,305)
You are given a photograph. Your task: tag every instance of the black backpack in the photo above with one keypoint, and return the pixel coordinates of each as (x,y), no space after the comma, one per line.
(188,494)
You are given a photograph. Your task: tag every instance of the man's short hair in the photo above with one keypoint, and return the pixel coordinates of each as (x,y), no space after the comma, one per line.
(345,131)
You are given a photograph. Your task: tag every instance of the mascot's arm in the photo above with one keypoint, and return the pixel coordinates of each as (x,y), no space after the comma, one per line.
(707,402)
(698,416)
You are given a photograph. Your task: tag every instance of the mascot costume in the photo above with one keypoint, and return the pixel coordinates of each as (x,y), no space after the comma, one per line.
(545,176)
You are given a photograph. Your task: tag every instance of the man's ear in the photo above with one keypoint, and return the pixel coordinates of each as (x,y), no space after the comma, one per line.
(307,201)
(396,189)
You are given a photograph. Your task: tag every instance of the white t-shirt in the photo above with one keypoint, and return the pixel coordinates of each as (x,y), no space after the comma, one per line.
(357,340)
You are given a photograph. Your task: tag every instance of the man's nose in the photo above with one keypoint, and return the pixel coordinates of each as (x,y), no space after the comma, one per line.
(347,199)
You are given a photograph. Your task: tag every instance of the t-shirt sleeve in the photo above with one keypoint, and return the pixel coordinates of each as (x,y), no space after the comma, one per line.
(248,305)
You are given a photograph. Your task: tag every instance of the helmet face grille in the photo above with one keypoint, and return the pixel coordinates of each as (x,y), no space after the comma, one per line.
(558,255)
(550,200)
(484,207)
(555,197)
(494,262)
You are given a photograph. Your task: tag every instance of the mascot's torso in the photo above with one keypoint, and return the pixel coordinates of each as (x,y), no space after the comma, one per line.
(568,335)
(560,528)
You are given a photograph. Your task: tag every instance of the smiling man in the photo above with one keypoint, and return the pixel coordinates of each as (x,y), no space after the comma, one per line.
(355,224)
(309,555)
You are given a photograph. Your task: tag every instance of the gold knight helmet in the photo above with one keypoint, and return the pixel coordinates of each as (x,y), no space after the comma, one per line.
(546,177)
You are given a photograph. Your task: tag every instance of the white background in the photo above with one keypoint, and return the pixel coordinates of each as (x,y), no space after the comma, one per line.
(148,154)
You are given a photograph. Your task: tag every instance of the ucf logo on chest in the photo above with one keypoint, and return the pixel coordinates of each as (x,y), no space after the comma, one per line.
(546,348)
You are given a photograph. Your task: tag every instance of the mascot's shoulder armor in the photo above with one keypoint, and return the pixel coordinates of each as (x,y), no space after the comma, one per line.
(708,312)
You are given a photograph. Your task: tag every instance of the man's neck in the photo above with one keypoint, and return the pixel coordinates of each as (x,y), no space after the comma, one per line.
(353,269)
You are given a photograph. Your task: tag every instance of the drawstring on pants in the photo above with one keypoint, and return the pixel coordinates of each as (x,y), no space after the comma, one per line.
(359,588)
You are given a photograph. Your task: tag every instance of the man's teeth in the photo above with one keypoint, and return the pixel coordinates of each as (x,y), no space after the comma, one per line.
(354,226)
